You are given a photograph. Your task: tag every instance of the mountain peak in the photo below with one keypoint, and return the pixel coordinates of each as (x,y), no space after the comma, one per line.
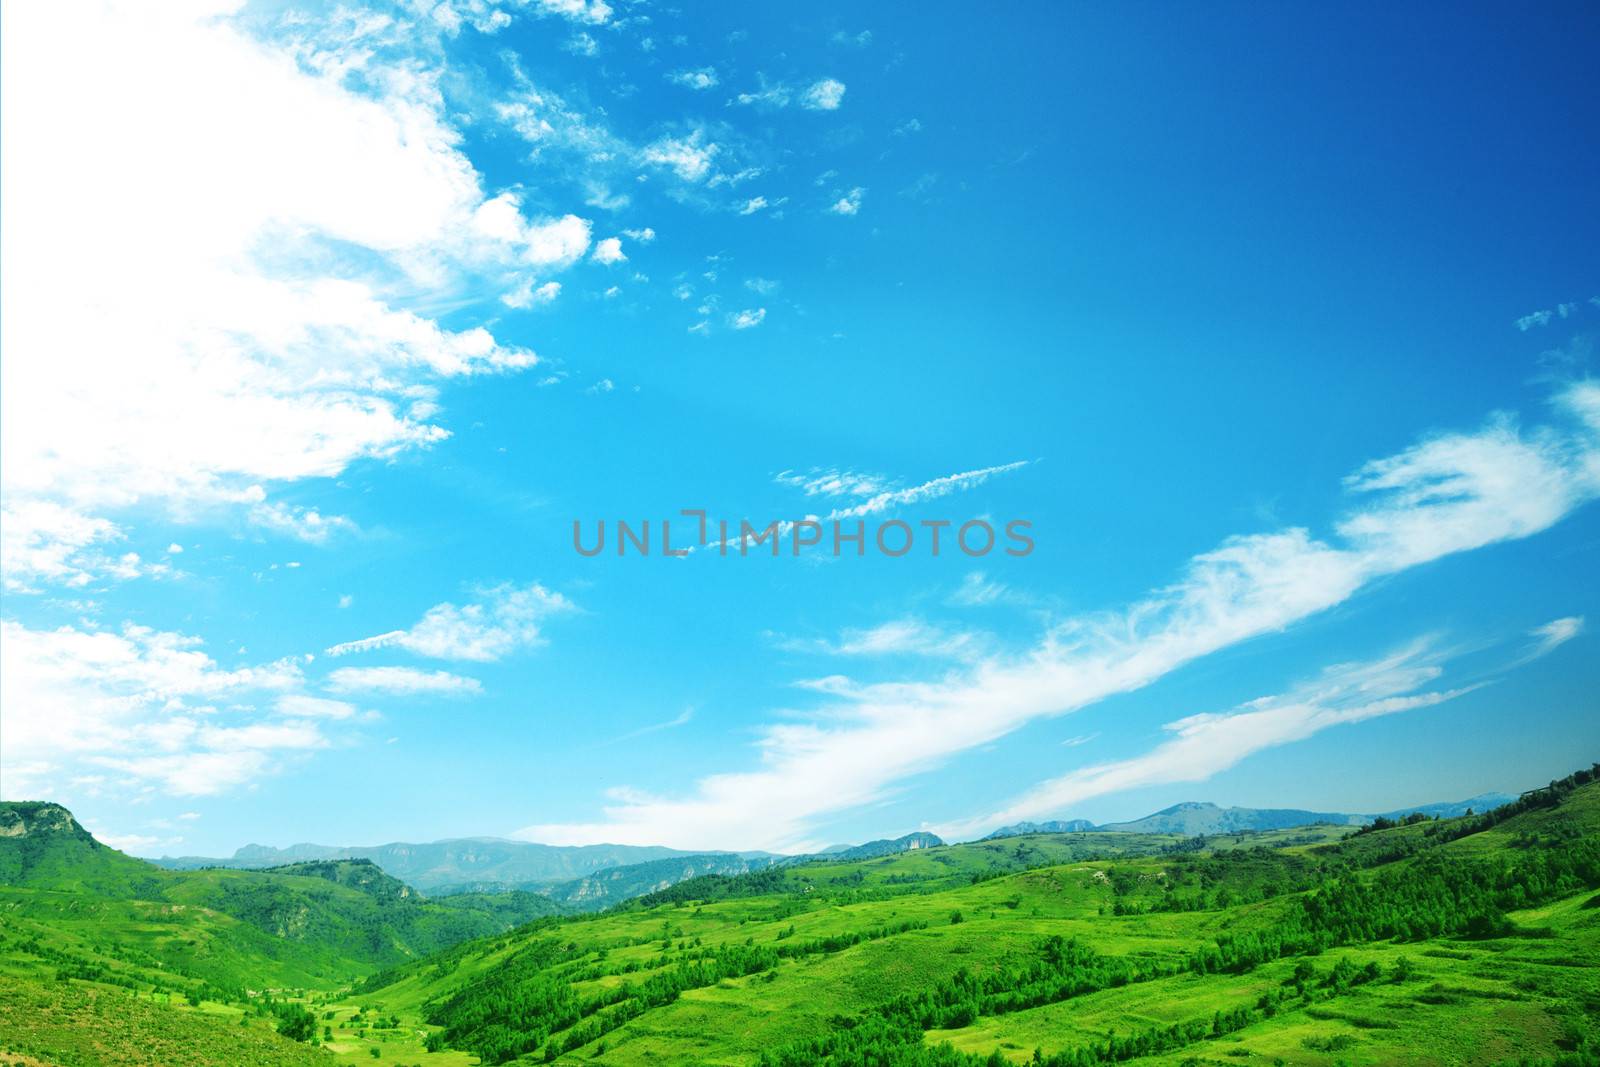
(1189,805)
(887,847)
(38,818)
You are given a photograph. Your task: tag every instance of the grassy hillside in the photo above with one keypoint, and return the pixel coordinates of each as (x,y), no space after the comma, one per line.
(61,1024)
(1476,939)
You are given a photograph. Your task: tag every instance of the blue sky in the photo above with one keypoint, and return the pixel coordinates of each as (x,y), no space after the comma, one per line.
(1276,325)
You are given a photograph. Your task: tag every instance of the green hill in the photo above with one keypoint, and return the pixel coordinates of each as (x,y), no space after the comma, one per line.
(296,925)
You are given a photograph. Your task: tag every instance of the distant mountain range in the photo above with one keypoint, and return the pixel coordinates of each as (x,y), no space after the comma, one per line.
(1193,818)
(1053,826)
(458,862)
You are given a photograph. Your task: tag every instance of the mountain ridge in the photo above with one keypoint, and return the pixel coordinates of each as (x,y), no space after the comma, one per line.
(1192,818)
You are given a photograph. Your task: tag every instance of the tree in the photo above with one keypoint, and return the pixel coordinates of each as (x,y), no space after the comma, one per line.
(295,1023)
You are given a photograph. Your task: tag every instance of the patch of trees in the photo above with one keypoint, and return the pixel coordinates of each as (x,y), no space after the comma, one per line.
(710,887)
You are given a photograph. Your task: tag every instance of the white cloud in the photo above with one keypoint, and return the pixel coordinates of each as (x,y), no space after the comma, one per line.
(529,294)
(852,40)
(502,620)
(1451,493)
(594,12)
(849,203)
(687,157)
(400,681)
(698,78)
(140,701)
(825,95)
(450,15)
(304,524)
(644,236)
(133,844)
(763,286)
(301,706)
(246,319)
(582,44)
(41,540)
(747,318)
(753,205)
(609,251)
(768,96)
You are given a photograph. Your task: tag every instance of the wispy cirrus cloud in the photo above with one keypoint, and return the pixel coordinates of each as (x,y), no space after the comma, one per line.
(401,681)
(929,490)
(683,718)
(1204,745)
(1449,493)
(831,481)
(1551,636)
(501,620)
(907,636)
(878,497)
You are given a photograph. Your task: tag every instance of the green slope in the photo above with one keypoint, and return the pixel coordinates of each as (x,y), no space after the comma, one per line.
(75,1025)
